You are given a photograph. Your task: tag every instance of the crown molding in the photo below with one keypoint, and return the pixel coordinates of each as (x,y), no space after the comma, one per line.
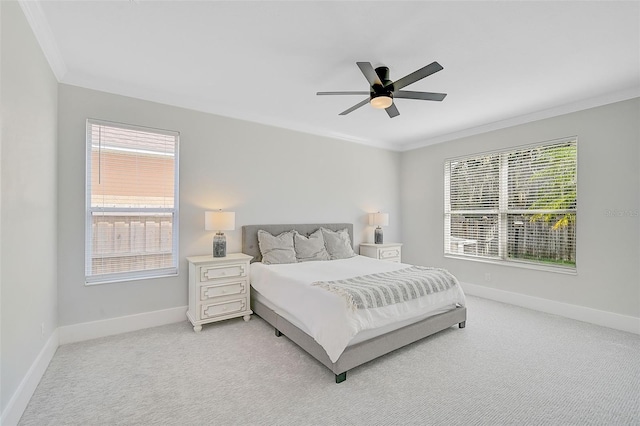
(145,94)
(40,27)
(581,105)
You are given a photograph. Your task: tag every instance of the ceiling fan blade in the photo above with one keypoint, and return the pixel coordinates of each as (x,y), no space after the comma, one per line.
(355,107)
(369,73)
(423,72)
(425,96)
(342,93)
(392,111)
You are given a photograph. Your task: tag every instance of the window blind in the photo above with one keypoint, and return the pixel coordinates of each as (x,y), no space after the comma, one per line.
(518,205)
(472,202)
(131,194)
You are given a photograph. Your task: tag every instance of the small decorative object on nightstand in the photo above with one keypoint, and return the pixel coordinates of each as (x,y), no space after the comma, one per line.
(219,221)
(378,219)
(390,251)
(218,288)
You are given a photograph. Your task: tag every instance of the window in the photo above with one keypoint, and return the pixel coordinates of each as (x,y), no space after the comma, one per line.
(517,205)
(131,202)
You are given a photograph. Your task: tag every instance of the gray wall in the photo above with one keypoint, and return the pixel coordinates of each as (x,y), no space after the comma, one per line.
(28,102)
(264,174)
(608,252)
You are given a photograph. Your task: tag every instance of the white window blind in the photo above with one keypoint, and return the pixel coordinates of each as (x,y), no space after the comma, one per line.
(516,205)
(132,199)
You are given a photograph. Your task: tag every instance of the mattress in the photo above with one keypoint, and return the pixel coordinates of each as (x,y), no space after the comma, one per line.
(325,316)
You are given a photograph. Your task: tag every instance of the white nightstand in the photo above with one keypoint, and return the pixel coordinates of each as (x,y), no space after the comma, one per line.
(218,288)
(389,251)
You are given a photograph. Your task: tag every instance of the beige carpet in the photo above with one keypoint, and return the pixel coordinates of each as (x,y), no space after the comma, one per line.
(509,366)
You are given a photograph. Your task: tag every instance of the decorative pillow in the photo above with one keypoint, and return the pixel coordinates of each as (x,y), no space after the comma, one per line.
(278,249)
(310,248)
(338,243)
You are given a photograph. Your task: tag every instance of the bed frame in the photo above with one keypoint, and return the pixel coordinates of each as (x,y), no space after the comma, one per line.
(357,354)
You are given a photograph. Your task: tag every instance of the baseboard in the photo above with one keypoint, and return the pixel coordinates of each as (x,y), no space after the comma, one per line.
(580,313)
(112,326)
(18,402)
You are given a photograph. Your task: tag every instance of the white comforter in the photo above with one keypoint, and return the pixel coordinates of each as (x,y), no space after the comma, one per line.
(323,314)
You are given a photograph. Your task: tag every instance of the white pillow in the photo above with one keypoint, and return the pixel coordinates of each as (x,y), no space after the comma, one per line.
(338,243)
(278,249)
(310,248)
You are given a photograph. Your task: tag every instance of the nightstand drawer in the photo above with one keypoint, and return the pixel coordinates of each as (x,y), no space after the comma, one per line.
(210,273)
(224,308)
(386,254)
(390,252)
(212,291)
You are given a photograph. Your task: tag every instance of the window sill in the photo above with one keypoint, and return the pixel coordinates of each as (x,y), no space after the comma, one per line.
(517,264)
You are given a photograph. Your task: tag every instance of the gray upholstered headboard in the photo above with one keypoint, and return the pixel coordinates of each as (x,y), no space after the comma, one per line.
(250,234)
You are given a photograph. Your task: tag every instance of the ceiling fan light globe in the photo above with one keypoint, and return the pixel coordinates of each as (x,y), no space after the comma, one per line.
(381,102)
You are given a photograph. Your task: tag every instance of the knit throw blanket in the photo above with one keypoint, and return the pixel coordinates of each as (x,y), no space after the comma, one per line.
(386,288)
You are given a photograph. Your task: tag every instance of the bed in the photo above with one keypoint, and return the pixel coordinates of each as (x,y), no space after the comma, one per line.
(362,342)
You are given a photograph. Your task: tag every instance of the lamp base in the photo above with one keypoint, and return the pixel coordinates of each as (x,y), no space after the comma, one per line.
(219,245)
(378,235)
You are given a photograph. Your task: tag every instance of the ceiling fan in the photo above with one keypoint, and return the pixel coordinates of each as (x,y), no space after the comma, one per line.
(383,90)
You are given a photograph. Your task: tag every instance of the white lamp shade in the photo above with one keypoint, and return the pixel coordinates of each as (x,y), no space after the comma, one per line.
(381,102)
(379,219)
(219,221)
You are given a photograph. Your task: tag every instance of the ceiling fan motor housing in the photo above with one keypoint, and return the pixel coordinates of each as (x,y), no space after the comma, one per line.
(381,92)
(383,74)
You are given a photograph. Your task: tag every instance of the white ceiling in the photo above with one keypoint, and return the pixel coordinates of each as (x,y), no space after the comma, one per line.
(504,62)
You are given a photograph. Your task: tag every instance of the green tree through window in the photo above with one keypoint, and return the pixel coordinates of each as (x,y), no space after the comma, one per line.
(514,205)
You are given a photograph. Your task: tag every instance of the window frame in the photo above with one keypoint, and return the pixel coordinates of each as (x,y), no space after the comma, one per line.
(115,277)
(503,211)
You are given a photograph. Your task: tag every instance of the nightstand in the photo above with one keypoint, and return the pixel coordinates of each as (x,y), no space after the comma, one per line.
(389,251)
(218,288)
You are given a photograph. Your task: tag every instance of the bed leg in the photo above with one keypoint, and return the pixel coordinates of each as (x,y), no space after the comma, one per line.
(278,333)
(463,324)
(341,377)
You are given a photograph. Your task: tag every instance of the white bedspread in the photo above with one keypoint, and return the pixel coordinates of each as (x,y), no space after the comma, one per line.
(324,314)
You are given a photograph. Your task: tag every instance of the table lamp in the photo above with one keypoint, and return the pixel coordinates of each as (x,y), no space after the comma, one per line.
(219,221)
(378,219)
